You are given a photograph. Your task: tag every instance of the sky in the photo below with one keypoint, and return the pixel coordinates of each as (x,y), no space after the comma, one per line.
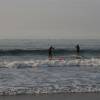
(68,19)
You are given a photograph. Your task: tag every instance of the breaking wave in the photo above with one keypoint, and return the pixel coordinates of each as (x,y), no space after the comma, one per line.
(50,63)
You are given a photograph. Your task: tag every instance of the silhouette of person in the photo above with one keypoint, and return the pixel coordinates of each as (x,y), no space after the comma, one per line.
(50,51)
(78,49)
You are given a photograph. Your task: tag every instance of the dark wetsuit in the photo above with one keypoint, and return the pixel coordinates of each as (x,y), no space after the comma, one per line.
(78,49)
(50,51)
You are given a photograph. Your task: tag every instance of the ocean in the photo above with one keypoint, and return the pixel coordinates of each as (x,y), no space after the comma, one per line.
(26,69)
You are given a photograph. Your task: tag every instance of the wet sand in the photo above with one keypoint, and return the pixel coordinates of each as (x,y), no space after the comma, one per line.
(67,96)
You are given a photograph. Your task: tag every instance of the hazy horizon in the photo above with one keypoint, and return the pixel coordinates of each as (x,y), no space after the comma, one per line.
(49,19)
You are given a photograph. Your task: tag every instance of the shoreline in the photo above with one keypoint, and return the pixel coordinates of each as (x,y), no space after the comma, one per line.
(55,96)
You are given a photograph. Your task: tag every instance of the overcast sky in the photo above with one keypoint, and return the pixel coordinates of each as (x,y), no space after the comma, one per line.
(50,19)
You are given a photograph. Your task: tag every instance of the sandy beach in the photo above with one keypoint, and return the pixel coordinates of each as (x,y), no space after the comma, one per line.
(68,96)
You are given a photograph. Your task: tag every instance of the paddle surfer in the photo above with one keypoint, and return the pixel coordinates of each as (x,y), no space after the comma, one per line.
(78,49)
(50,52)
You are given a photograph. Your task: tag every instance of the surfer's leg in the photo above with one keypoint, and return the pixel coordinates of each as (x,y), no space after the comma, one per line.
(50,56)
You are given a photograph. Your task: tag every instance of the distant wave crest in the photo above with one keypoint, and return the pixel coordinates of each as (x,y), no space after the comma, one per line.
(44,51)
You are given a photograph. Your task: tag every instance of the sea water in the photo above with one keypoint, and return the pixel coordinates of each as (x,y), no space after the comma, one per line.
(26,69)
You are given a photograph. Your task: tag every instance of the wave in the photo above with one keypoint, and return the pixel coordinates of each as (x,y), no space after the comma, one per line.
(45,51)
(44,76)
(51,63)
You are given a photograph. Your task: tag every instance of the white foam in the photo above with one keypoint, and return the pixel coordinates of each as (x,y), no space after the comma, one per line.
(45,76)
(50,63)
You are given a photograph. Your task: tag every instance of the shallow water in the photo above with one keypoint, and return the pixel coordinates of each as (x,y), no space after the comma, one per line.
(25,68)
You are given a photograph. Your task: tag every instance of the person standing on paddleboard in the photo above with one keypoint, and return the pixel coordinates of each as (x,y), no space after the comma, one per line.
(50,52)
(78,49)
